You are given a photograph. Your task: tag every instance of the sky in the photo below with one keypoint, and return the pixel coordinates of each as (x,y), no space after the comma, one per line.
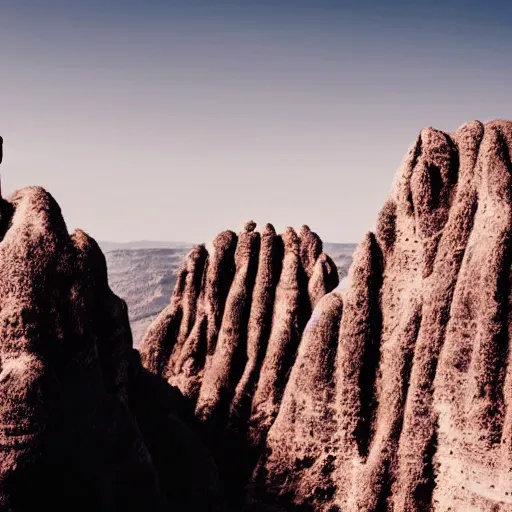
(174,120)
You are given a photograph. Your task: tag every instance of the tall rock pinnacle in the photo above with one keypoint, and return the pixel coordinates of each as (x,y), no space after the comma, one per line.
(399,399)
(82,425)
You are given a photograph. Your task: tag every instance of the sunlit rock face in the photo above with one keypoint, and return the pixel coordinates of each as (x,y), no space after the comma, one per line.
(400,395)
(73,433)
(230,334)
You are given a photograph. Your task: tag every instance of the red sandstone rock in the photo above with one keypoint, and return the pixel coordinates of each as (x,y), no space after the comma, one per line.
(392,396)
(70,406)
(249,317)
(283,343)
(228,360)
(259,325)
(411,412)
(67,436)
(217,361)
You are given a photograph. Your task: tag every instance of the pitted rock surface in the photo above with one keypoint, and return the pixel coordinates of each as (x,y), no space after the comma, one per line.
(400,396)
(230,334)
(70,382)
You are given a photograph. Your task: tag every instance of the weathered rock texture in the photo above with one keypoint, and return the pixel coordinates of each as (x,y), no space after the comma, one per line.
(230,334)
(392,396)
(82,425)
(400,396)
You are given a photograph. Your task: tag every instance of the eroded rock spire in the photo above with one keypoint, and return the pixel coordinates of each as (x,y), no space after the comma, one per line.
(410,408)
(233,356)
(82,424)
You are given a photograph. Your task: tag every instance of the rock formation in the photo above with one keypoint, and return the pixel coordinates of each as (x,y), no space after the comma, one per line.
(400,396)
(230,334)
(393,395)
(82,425)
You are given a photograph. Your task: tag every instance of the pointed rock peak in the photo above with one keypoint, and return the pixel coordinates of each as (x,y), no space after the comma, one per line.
(95,257)
(290,237)
(244,332)
(437,149)
(304,230)
(474,127)
(310,248)
(67,398)
(386,224)
(224,240)
(250,226)
(418,381)
(197,253)
(269,229)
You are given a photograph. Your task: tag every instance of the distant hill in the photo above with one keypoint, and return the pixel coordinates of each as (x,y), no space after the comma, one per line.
(144,278)
(144,272)
(342,256)
(142,244)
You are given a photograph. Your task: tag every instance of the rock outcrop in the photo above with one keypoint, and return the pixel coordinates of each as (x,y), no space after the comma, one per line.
(230,334)
(82,425)
(400,396)
(393,395)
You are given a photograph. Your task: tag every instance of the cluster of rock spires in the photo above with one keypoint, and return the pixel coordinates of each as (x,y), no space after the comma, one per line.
(259,385)
(398,397)
(229,337)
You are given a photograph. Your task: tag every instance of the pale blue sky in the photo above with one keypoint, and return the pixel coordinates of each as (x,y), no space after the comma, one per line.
(168,120)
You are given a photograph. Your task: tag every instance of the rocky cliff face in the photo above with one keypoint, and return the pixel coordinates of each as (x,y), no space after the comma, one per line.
(82,425)
(393,395)
(229,337)
(400,396)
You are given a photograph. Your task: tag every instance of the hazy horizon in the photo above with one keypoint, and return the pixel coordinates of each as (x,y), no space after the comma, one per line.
(175,120)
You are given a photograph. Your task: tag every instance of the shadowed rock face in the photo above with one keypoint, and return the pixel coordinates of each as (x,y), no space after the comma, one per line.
(230,334)
(391,396)
(399,398)
(74,434)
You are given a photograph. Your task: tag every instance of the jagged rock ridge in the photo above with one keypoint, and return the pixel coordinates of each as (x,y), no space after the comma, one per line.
(399,399)
(230,334)
(82,424)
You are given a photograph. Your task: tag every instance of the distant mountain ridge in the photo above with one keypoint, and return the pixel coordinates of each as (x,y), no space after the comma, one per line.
(142,244)
(160,244)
